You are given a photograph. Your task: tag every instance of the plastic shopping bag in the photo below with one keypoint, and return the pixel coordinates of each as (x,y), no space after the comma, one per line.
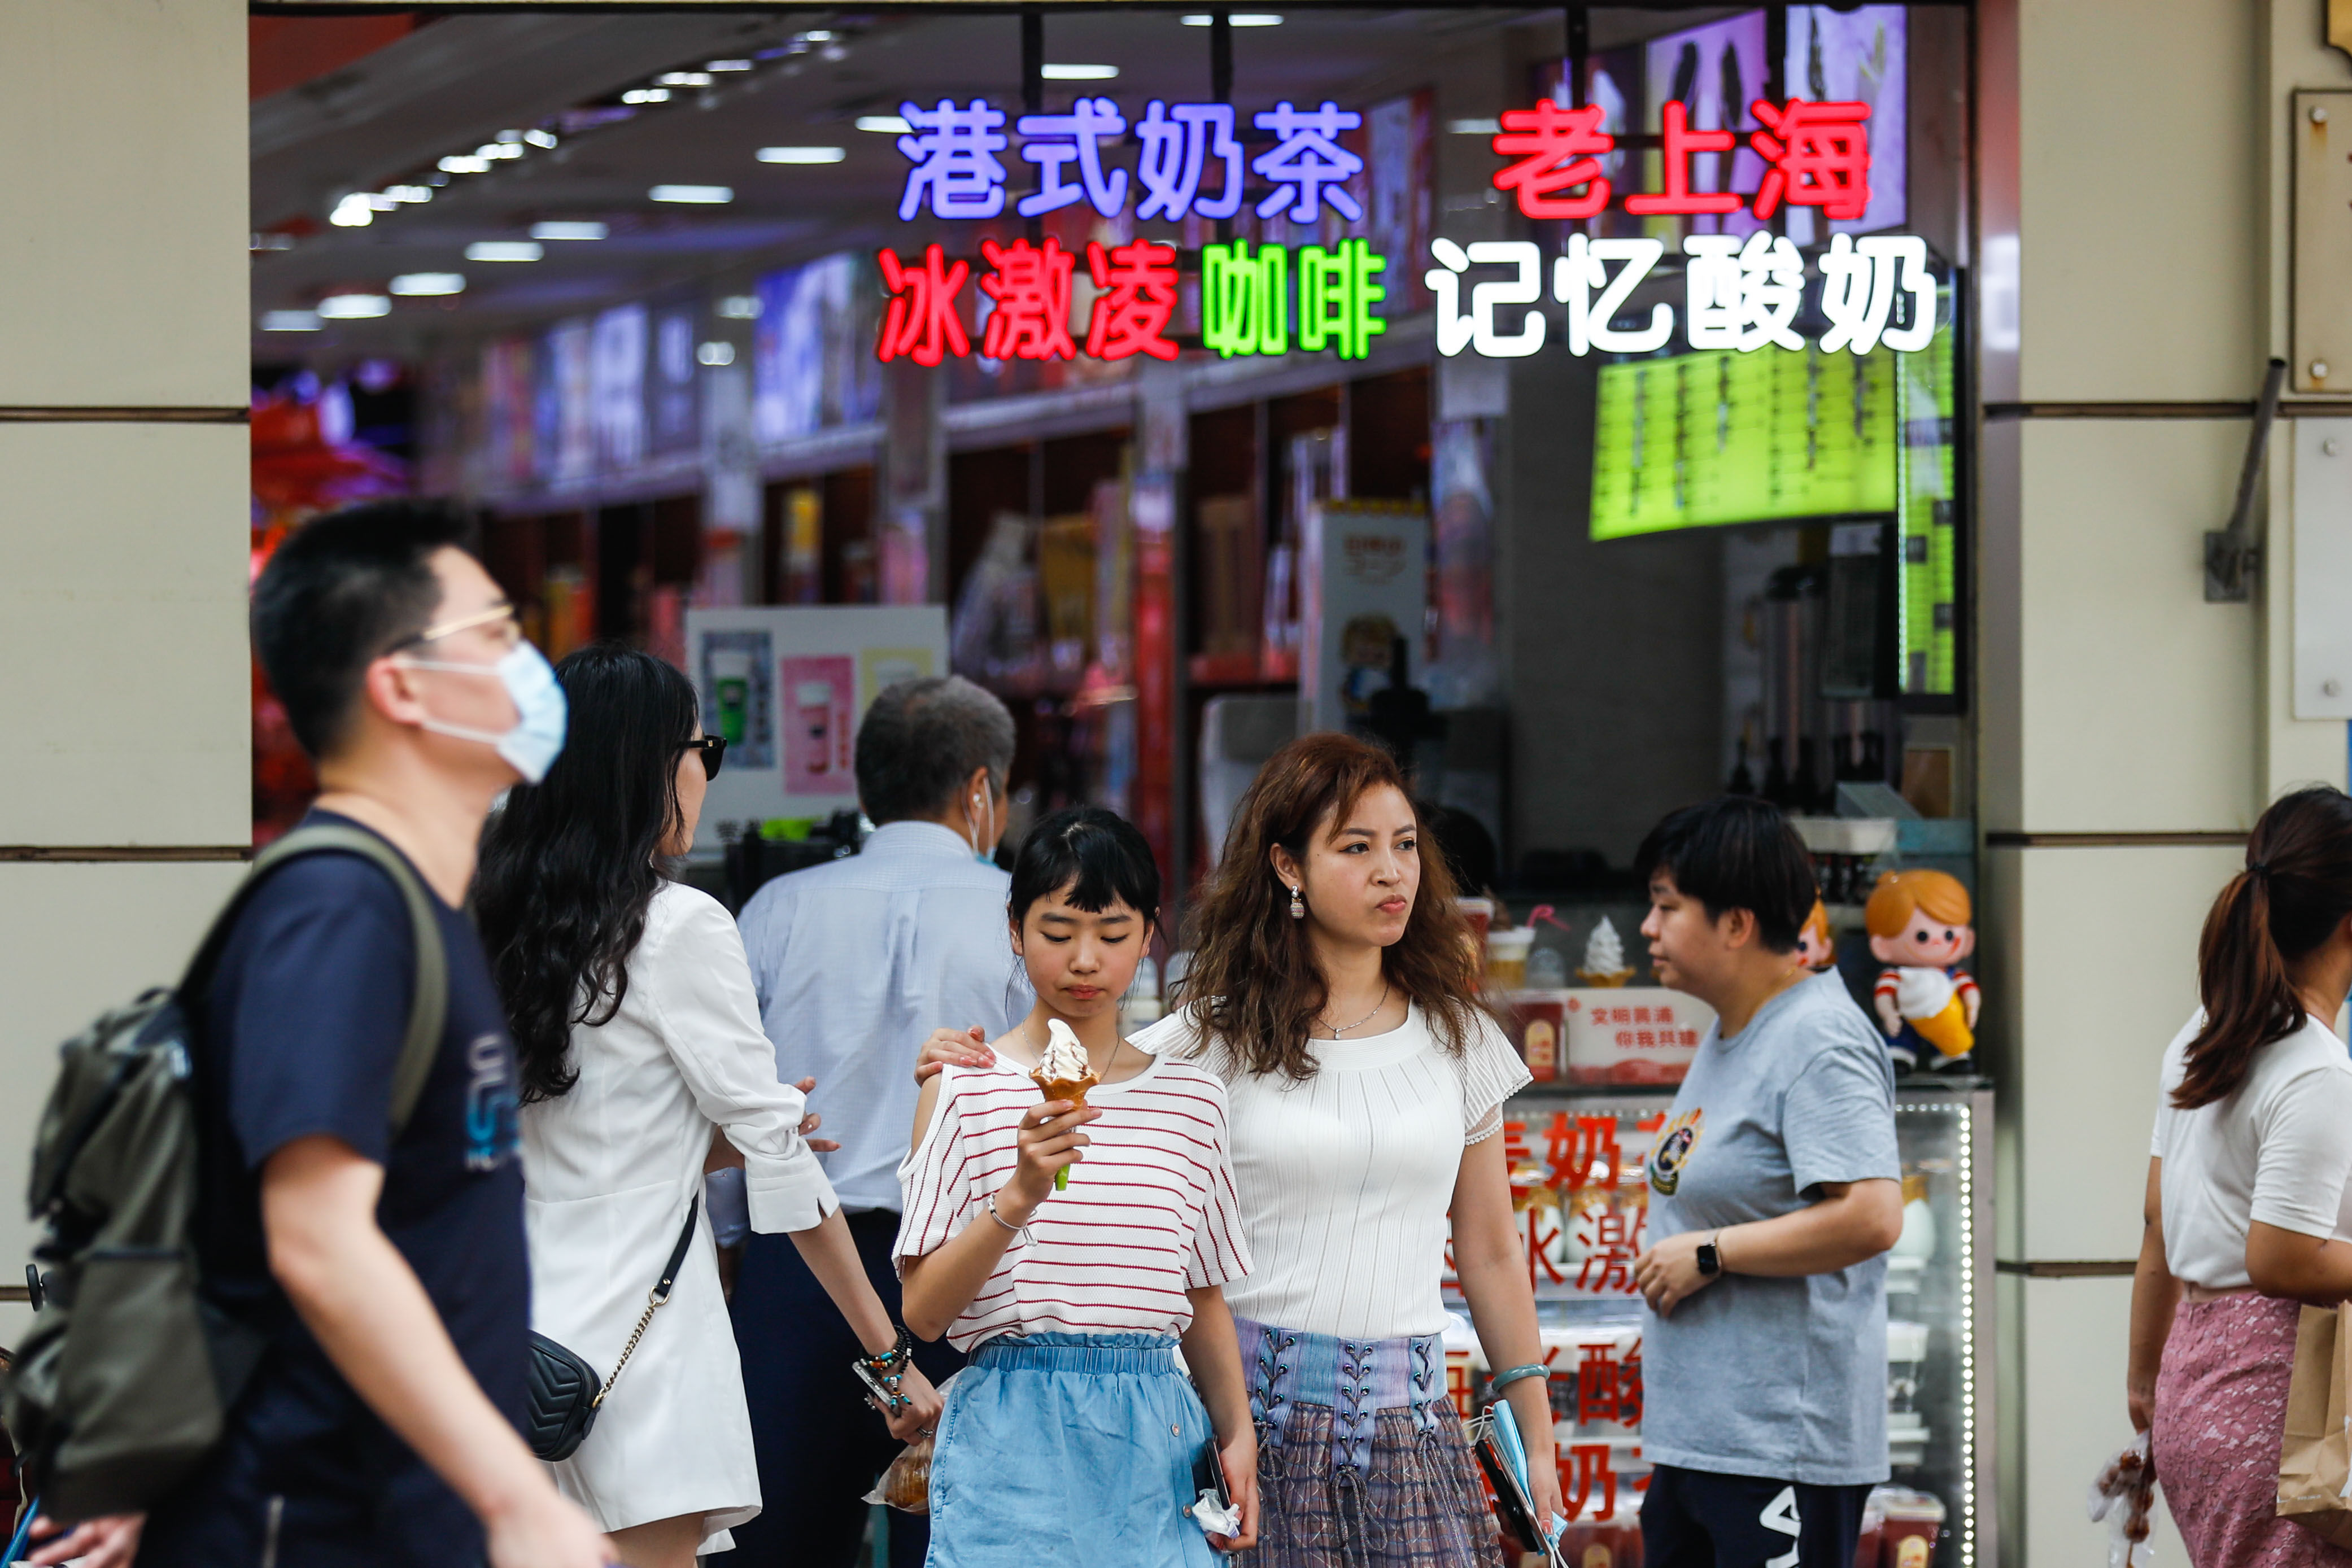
(2122,1495)
(907,1484)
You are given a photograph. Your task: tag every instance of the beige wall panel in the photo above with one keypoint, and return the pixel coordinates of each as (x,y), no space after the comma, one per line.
(2097,971)
(2138,706)
(2073,1419)
(126,274)
(2296,56)
(2140,275)
(2298,751)
(122,591)
(76,940)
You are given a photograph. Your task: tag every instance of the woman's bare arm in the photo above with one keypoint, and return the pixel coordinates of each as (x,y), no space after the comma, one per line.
(2155,1295)
(1490,1261)
(2312,1270)
(939,1284)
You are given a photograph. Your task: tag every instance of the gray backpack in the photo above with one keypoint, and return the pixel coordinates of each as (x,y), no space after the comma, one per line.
(123,1386)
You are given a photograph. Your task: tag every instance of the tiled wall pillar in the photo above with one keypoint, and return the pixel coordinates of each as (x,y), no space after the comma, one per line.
(2130,731)
(124,773)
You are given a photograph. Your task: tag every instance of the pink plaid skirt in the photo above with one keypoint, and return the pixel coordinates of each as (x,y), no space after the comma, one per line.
(2220,1412)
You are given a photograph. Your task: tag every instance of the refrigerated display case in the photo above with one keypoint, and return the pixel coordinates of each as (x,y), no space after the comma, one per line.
(1576,1159)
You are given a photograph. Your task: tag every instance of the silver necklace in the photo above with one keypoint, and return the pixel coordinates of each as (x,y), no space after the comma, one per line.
(1339,1029)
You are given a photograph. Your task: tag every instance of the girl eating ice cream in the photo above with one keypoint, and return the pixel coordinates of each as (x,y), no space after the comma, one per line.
(1073,1437)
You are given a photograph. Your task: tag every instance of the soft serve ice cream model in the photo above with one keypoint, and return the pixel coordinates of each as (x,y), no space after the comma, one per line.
(1064,1073)
(1918,923)
(1604,957)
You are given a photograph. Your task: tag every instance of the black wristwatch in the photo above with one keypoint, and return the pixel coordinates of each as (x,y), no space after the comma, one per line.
(1710,1261)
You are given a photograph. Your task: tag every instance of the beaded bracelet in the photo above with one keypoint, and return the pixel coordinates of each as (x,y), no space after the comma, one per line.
(882,1374)
(1511,1374)
(895,1359)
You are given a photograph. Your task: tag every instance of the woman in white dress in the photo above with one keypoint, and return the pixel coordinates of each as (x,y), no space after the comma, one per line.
(643,1061)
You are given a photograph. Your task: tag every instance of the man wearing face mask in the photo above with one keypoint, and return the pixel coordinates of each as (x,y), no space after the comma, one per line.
(387,1272)
(855,962)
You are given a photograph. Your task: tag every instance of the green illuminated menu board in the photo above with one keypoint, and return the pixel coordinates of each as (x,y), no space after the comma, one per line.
(1704,439)
(1720,437)
(1927,520)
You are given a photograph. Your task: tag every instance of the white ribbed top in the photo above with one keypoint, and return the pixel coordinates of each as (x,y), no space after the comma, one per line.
(1345,1180)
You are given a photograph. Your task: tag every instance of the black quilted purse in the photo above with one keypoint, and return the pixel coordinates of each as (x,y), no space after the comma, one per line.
(565,1392)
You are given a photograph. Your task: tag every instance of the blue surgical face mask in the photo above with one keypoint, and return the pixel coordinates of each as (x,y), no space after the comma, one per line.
(531,746)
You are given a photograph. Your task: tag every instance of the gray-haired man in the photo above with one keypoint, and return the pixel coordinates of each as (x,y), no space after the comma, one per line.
(855,962)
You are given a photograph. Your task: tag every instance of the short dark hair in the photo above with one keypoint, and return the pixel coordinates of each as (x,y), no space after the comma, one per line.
(1735,852)
(1094,852)
(337,595)
(922,739)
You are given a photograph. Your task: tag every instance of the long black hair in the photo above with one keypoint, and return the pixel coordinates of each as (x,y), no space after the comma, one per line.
(2294,894)
(570,865)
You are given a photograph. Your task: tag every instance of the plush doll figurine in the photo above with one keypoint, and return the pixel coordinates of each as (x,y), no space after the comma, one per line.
(1918,923)
(1816,949)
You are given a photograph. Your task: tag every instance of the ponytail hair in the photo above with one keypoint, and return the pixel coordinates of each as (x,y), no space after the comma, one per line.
(2295,891)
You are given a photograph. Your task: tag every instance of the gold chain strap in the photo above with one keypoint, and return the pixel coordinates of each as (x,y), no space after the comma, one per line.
(653,1305)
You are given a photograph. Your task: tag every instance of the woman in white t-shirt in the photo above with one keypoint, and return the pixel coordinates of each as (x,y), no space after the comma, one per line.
(1336,995)
(2249,1207)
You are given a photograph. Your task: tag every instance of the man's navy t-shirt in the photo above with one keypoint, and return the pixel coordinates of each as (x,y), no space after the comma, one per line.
(302,1027)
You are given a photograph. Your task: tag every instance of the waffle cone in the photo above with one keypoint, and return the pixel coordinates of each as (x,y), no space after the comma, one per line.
(1947,1030)
(1611,980)
(1067,1089)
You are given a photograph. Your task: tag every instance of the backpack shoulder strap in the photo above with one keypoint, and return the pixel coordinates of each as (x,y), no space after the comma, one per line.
(428,1006)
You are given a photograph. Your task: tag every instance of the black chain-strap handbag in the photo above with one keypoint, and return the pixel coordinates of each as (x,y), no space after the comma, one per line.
(565,1392)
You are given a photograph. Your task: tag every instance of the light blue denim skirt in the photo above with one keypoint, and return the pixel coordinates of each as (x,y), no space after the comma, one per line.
(1076,1448)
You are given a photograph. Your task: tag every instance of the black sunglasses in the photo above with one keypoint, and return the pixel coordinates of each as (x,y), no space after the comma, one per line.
(714,752)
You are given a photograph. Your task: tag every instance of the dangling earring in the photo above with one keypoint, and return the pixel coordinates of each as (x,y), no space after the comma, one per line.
(1297,906)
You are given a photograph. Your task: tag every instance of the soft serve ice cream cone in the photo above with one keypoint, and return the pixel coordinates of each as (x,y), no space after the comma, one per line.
(1604,957)
(1064,1074)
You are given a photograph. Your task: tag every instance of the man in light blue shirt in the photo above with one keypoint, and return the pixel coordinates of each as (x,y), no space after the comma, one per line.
(856,962)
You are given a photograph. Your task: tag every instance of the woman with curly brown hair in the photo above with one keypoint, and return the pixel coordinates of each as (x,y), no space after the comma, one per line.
(1333,988)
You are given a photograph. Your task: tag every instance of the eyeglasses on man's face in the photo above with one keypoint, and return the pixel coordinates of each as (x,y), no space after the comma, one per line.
(498,624)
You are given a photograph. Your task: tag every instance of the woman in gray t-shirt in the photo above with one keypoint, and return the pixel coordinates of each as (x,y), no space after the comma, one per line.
(1775,1189)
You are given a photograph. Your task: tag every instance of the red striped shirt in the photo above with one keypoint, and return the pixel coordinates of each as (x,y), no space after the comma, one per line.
(1150,1213)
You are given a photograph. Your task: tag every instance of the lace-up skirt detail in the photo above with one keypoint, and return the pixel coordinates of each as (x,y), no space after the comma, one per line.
(1361,1461)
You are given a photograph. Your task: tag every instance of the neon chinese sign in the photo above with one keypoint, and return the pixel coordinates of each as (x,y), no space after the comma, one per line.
(1815,155)
(956,173)
(1736,296)
(1248,305)
(1189,163)
(1742,293)
(1030,285)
